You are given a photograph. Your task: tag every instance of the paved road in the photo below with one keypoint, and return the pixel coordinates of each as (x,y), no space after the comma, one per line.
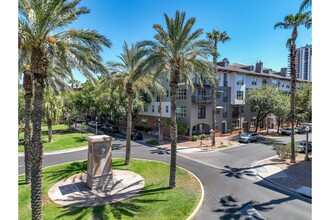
(232,190)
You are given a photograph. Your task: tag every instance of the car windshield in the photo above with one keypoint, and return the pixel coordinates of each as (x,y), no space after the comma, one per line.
(246,134)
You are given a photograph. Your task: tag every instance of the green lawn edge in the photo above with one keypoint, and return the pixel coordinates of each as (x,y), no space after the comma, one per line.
(156,200)
(63,139)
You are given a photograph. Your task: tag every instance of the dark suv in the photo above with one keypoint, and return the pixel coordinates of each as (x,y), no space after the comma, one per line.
(249,137)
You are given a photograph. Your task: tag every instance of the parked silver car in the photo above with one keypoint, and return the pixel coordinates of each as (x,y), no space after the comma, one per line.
(249,137)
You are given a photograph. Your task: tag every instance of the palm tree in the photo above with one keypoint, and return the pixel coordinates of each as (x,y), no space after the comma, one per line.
(175,52)
(305,4)
(41,33)
(53,104)
(293,22)
(129,78)
(214,37)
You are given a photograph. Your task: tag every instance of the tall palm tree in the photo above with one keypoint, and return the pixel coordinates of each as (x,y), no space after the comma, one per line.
(293,22)
(176,52)
(130,79)
(40,30)
(214,37)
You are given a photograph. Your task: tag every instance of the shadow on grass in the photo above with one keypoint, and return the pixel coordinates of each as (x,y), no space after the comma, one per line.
(79,139)
(120,210)
(231,208)
(71,169)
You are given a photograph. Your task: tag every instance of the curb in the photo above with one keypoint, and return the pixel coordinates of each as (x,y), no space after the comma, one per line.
(277,184)
(60,151)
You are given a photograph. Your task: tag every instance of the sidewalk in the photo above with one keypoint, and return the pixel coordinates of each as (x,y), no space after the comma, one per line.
(295,177)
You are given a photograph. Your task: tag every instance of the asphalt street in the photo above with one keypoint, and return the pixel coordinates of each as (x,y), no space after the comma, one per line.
(232,189)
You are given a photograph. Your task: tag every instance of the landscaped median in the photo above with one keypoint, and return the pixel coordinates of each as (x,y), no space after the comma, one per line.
(155,201)
(63,138)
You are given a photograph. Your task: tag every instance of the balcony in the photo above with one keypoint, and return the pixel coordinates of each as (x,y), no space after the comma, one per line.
(197,83)
(201,99)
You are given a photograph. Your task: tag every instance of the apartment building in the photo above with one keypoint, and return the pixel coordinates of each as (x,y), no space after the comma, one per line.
(233,113)
(303,63)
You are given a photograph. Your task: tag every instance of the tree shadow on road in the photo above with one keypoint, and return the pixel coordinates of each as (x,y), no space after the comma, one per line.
(232,209)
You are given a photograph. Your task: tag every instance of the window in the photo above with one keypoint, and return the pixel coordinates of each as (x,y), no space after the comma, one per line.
(224,113)
(145,108)
(235,124)
(225,96)
(144,121)
(240,80)
(264,81)
(239,95)
(158,108)
(167,93)
(181,111)
(167,109)
(201,111)
(218,94)
(158,98)
(254,81)
(153,108)
(181,94)
(253,122)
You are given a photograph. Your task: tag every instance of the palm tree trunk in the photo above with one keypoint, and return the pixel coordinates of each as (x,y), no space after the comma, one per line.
(292,94)
(39,69)
(27,83)
(174,130)
(160,120)
(214,96)
(129,129)
(50,133)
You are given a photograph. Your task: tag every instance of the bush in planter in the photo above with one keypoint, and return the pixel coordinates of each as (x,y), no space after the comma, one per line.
(283,151)
(194,138)
(203,136)
(152,142)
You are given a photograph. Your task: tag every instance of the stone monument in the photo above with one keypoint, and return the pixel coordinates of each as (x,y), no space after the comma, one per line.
(99,164)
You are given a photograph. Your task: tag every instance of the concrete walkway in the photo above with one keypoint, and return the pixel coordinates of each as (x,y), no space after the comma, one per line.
(73,191)
(295,177)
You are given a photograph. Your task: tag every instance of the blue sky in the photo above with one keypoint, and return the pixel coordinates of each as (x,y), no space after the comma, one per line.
(250,24)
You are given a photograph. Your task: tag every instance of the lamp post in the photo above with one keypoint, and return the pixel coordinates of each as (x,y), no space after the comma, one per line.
(306,148)
(96,124)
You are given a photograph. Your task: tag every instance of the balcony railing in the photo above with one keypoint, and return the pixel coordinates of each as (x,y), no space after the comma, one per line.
(201,99)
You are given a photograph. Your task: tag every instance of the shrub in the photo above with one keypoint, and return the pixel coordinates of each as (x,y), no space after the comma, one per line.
(283,151)
(203,136)
(152,142)
(139,127)
(194,138)
(142,128)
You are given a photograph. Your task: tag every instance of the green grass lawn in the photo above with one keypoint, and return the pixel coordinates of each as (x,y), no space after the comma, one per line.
(63,138)
(155,201)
